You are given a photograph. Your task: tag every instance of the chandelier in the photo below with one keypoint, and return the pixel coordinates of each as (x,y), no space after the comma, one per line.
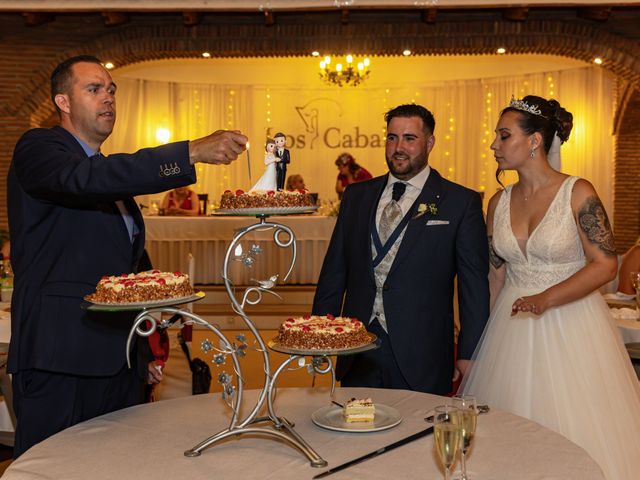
(350,73)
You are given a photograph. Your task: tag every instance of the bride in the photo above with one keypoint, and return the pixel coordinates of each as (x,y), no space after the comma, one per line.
(268,180)
(550,351)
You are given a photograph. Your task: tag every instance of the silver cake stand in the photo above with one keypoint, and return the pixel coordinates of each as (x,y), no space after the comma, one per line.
(271,424)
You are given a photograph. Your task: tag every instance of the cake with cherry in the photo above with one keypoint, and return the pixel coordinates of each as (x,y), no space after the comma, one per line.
(149,286)
(314,332)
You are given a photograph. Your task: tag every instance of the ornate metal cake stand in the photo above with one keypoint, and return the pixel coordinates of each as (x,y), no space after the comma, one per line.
(271,424)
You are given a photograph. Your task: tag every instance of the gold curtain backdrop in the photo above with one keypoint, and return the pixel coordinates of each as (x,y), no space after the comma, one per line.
(322,121)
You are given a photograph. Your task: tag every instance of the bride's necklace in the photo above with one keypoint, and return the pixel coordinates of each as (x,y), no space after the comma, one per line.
(527,197)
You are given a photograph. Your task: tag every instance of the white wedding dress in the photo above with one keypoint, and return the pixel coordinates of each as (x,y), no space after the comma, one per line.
(269,179)
(566,369)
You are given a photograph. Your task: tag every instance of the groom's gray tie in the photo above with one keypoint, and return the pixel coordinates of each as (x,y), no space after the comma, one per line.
(392,213)
(389,220)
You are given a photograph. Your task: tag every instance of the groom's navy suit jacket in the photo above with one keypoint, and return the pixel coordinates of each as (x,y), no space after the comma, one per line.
(67,232)
(418,292)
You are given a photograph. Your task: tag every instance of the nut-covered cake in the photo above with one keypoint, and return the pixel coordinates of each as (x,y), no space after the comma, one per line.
(141,287)
(322,333)
(265,199)
(359,410)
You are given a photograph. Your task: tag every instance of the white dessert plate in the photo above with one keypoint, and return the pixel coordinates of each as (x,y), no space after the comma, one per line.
(331,418)
(265,211)
(101,306)
(273,345)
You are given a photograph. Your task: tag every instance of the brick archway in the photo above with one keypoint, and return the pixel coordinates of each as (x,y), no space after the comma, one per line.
(30,104)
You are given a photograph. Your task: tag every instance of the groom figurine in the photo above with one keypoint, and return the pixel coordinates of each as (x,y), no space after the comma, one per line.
(399,242)
(284,159)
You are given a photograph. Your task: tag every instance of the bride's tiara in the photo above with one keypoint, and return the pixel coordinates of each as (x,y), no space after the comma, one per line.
(525,107)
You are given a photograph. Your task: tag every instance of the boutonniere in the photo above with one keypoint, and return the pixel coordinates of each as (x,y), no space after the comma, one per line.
(430,208)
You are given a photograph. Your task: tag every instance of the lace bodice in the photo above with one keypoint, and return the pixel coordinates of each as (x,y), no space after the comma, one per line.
(553,251)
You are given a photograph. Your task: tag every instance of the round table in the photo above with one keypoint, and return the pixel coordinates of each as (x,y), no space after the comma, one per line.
(148,441)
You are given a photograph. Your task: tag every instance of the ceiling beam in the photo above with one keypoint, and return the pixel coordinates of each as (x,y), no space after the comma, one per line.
(429,15)
(269,18)
(516,14)
(344,16)
(113,19)
(191,19)
(597,14)
(34,19)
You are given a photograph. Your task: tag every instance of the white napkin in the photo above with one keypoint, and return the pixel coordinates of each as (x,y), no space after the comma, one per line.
(624,313)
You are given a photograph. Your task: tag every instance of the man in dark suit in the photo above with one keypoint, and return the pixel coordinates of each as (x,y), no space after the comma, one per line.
(72,220)
(399,242)
(283,159)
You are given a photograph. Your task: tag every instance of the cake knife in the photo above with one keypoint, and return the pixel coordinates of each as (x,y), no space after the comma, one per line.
(375,453)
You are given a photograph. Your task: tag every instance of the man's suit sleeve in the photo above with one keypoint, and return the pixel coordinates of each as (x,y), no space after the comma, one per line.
(333,276)
(48,167)
(472,259)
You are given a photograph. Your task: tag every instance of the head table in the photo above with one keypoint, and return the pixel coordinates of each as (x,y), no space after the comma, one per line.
(147,442)
(169,240)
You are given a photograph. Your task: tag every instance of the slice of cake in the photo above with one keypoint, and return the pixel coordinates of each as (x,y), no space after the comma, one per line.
(359,410)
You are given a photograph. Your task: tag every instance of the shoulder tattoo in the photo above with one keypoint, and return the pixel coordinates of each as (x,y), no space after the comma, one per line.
(494,258)
(595,224)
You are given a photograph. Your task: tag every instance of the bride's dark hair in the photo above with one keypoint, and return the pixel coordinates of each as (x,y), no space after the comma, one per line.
(552,119)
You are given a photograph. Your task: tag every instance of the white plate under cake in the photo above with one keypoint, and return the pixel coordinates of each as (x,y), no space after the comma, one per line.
(149,286)
(314,332)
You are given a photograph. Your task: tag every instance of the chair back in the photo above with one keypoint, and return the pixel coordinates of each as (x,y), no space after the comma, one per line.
(203,198)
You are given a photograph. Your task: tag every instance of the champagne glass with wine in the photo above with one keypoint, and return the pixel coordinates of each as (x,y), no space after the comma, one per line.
(447,436)
(468,413)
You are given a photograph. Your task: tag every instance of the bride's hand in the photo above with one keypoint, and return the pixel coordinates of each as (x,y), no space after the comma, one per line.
(536,304)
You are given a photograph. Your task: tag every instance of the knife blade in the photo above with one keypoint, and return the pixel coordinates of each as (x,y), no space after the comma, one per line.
(375,453)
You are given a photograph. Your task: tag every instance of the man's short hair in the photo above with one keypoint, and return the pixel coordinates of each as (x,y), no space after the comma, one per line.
(62,74)
(280,134)
(413,110)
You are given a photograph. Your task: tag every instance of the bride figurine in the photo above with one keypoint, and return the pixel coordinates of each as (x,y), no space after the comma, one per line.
(268,180)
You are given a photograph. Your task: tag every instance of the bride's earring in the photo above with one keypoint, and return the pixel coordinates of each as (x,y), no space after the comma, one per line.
(533,152)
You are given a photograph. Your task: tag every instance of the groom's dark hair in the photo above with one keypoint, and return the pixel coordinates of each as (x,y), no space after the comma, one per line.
(413,110)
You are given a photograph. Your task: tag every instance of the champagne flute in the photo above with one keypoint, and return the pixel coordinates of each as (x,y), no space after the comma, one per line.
(466,404)
(447,436)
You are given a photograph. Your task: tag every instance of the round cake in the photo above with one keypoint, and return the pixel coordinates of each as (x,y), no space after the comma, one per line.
(322,333)
(265,199)
(141,287)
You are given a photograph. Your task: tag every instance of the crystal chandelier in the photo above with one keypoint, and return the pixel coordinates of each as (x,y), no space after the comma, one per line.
(350,73)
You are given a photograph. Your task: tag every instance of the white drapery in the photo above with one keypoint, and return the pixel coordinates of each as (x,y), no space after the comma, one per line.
(323,121)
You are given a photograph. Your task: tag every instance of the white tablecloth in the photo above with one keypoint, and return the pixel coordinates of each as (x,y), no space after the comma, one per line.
(170,239)
(147,442)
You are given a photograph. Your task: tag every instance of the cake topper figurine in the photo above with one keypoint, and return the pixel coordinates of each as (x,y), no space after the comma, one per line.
(283,158)
(268,180)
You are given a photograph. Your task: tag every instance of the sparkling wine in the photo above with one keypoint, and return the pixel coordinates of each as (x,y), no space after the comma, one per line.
(447,438)
(635,280)
(468,420)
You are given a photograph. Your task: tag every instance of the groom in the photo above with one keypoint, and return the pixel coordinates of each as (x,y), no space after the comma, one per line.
(283,159)
(399,242)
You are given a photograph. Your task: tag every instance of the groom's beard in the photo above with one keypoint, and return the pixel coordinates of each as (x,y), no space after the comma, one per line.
(404,167)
